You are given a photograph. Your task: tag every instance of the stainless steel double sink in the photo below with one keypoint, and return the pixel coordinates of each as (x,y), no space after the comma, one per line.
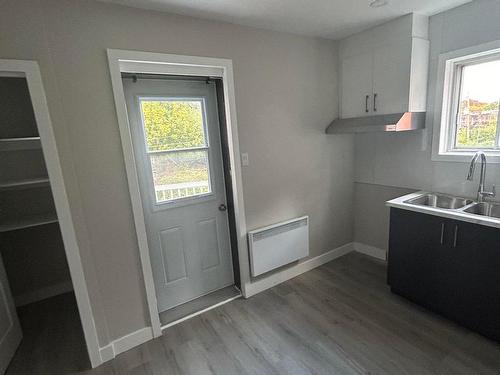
(459,204)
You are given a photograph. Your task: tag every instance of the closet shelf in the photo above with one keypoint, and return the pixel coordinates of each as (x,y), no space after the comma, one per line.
(26,143)
(24,184)
(27,222)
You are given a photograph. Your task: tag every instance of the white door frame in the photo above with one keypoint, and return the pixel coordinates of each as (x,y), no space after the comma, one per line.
(124,61)
(31,71)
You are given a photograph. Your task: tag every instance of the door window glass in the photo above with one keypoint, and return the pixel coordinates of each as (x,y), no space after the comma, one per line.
(177,147)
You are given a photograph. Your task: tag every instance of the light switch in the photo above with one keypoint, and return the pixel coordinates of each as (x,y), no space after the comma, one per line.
(244,159)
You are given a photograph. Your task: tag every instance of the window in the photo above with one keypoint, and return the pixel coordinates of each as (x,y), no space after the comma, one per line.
(469,118)
(477,107)
(177,147)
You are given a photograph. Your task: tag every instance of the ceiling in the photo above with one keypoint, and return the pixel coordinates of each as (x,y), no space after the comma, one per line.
(332,19)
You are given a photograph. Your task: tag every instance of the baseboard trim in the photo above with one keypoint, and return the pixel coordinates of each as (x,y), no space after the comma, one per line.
(43,293)
(291,272)
(370,250)
(125,343)
(143,335)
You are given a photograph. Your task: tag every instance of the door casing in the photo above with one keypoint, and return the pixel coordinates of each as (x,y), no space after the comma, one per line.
(125,61)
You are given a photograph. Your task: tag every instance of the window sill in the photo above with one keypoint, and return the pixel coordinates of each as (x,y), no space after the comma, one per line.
(465,156)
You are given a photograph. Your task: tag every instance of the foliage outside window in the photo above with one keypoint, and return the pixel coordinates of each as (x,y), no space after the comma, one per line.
(177,147)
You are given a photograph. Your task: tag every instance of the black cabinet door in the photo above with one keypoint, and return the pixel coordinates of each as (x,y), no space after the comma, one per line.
(483,289)
(451,267)
(455,279)
(415,240)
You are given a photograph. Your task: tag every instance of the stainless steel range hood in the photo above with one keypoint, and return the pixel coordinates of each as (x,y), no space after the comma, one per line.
(395,122)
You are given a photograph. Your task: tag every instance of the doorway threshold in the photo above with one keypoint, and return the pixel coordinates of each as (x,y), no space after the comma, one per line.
(198,306)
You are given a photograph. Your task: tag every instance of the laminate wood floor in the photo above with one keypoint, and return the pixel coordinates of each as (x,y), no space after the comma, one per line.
(339,318)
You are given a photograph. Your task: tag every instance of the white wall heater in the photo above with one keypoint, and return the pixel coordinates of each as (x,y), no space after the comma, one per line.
(278,244)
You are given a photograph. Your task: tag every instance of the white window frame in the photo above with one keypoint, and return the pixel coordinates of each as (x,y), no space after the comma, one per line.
(450,66)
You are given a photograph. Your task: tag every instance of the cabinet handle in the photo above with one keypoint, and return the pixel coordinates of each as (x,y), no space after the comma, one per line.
(375,102)
(367,98)
(442,234)
(455,236)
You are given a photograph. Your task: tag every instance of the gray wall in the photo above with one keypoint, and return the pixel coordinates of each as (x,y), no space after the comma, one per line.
(286,94)
(404,160)
(371,224)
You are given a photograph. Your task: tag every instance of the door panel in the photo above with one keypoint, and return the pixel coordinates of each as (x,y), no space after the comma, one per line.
(177,148)
(415,241)
(174,254)
(356,85)
(391,84)
(208,243)
(10,330)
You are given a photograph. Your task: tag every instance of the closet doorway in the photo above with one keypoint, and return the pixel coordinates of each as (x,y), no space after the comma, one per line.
(39,258)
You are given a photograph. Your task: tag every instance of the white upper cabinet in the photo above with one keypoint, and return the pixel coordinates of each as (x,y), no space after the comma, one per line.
(356,85)
(384,70)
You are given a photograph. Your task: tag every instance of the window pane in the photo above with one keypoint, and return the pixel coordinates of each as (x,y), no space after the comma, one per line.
(478,106)
(173,124)
(180,174)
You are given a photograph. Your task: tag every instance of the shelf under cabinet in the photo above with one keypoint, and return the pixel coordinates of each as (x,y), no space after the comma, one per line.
(24,184)
(25,143)
(27,222)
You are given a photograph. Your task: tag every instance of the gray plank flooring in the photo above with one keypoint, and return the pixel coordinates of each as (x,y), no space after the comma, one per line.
(337,319)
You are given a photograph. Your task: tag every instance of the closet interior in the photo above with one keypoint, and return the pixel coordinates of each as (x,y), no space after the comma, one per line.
(31,245)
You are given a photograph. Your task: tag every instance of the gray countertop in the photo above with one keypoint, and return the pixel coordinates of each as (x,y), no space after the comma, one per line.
(456,214)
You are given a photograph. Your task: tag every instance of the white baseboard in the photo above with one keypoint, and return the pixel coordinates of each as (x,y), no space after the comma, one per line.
(140,336)
(125,343)
(43,293)
(370,250)
(291,272)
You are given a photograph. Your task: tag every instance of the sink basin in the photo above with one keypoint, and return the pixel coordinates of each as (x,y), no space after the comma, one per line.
(484,209)
(440,201)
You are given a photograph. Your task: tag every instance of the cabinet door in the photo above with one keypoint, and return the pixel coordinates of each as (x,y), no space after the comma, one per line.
(456,263)
(356,85)
(414,241)
(391,78)
(483,283)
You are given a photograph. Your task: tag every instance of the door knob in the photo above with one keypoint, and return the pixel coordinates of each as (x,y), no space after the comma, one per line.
(222,207)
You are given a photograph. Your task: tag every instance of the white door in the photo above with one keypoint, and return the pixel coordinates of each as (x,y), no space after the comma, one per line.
(175,132)
(391,78)
(356,98)
(10,330)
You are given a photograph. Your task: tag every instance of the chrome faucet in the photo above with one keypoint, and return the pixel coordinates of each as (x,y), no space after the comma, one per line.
(481,194)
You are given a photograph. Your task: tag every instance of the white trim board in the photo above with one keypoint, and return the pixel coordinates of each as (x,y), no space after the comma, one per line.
(143,335)
(43,293)
(372,251)
(31,71)
(159,63)
(125,343)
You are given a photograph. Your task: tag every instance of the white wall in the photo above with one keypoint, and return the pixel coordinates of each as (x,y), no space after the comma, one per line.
(404,160)
(285,97)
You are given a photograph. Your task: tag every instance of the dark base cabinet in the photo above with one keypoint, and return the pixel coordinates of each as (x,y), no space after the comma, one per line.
(448,266)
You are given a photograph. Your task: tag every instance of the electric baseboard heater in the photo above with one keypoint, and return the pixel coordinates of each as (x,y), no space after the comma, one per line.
(278,244)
